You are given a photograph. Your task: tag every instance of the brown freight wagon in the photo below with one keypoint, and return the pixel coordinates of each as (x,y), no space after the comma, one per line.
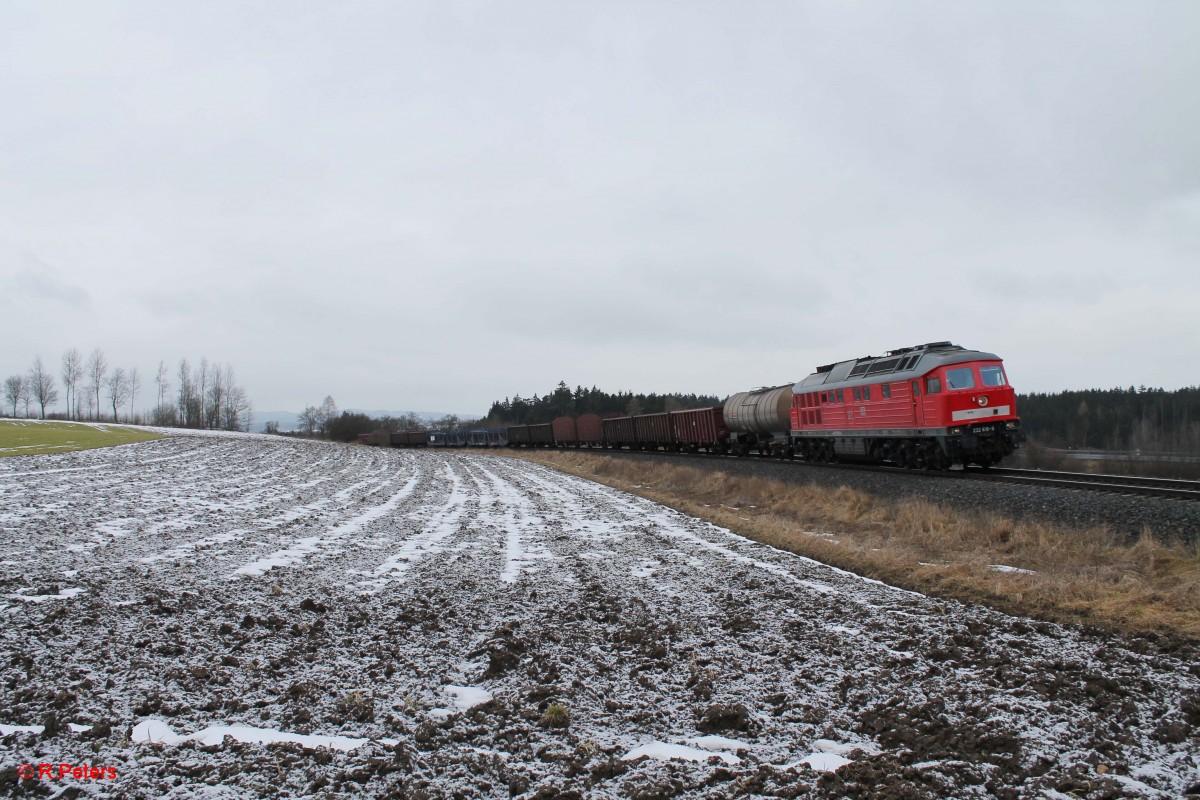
(653,431)
(701,427)
(518,436)
(409,438)
(564,432)
(541,435)
(589,430)
(618,432)
(379,438)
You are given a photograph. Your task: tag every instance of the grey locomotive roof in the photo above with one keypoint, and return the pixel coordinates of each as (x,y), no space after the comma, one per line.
(908,362)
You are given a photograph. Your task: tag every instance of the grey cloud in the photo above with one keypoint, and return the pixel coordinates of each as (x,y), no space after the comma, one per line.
(36,280)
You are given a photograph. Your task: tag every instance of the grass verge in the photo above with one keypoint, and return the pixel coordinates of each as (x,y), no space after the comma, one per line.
(1027,568)
(29,437)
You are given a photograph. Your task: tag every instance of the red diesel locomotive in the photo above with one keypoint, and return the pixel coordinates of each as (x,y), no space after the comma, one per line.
(932,406)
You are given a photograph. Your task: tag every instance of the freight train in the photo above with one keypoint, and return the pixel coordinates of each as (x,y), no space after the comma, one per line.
(930,406)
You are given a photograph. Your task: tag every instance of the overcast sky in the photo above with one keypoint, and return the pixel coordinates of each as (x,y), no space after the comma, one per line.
(434,205)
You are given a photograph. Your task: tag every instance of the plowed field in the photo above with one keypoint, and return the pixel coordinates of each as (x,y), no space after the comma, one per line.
(232,616)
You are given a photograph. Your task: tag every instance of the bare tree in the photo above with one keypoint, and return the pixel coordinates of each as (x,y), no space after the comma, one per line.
(164,412)
(41,385)
(14,391)
(186,394)
(97,367)
(327,413)
(310,418)
(72,373)
(118,389)
(161,380)
(236,411)
(202,384)
(135,385)
(216,396)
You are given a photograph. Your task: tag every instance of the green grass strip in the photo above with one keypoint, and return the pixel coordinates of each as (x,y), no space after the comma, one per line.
(29,437)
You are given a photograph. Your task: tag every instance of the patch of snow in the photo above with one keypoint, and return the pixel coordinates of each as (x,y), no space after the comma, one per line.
(466,697)
(844,748)
(65,594)
(159,732)
(5,730)
(1006,568)
(821,762)
(717,743)
(668,752)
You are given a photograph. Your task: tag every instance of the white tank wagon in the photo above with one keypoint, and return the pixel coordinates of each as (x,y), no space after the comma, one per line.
(760,420)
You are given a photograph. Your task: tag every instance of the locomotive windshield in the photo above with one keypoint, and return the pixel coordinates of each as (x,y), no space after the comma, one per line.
(992,376)
(960,378)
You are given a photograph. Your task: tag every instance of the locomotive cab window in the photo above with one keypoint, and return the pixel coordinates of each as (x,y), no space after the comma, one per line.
(992,376)
(886,390)
(960,378)
(933,385)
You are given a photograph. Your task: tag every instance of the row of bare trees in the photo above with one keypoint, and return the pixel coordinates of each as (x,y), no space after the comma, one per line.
(208,395)
(36,386)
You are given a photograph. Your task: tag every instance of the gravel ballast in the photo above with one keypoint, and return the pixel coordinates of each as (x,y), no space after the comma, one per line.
(1073,508)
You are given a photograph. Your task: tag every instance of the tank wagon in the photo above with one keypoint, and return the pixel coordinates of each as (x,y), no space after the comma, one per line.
(760,421)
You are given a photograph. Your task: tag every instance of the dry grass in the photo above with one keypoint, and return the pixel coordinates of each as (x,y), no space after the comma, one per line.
(1088,575)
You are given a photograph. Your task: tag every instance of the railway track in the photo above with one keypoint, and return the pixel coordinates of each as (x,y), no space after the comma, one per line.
(1115,484)
(1112,484)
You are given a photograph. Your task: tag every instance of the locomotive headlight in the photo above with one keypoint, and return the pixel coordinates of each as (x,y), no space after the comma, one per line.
(955,430)
(1012,423)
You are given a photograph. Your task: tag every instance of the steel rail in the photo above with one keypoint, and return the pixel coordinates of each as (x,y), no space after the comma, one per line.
(1169,488)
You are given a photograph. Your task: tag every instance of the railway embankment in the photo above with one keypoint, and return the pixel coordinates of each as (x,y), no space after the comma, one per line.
(1045,553)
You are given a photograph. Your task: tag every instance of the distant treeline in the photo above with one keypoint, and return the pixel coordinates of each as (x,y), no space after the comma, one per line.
(1150,420)
(563,401)
(208,396)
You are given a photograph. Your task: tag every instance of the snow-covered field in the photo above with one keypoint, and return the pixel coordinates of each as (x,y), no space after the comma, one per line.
(232,616)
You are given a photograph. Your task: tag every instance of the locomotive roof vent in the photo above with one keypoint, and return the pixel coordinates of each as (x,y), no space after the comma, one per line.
(926,346)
